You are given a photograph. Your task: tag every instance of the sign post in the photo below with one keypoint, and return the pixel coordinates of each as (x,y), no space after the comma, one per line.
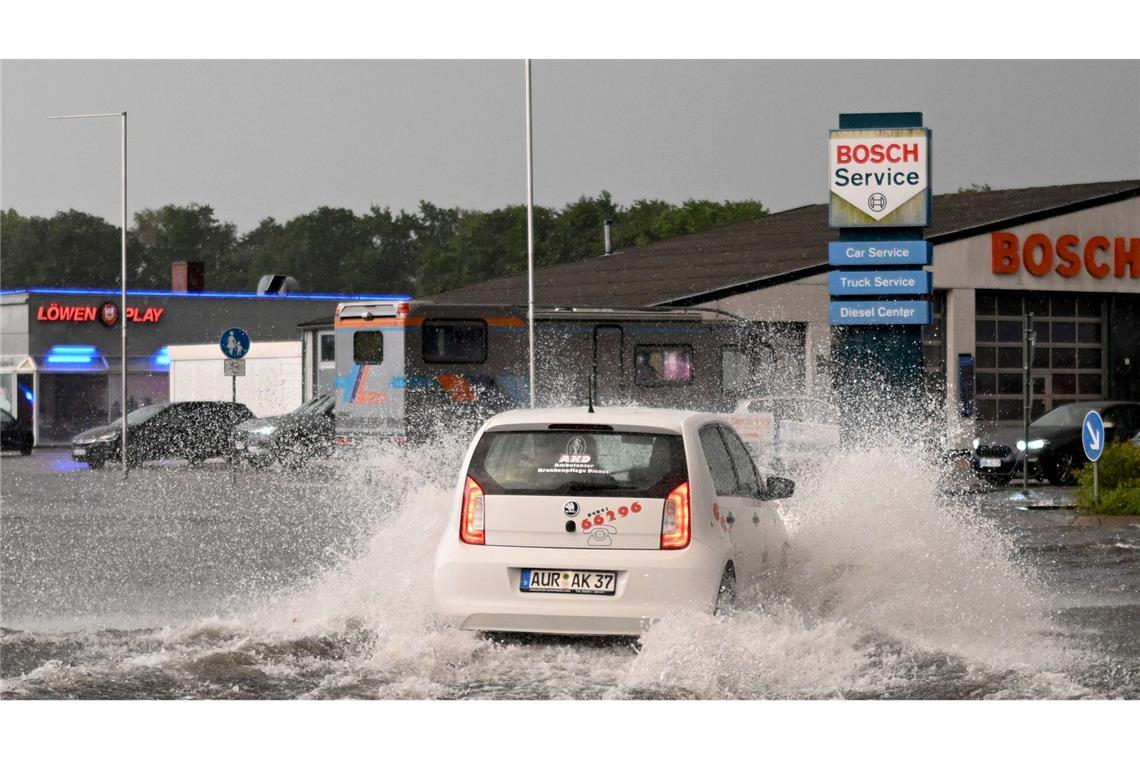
(1092,437)
(235,345)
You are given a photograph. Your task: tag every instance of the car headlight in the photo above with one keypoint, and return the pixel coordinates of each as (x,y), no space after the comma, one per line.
(263,430)
(1037,444)
(106,437)
(975,442)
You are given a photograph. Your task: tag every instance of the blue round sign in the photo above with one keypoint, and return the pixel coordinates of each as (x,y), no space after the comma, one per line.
(1092,435)
(235,343)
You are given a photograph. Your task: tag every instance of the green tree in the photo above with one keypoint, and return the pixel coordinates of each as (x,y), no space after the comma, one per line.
(70,249)
(186,233)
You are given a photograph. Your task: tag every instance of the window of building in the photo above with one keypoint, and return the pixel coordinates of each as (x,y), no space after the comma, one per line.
(663,365)
(327,350)
(455,341)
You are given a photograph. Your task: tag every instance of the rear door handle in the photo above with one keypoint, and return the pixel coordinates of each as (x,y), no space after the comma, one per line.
(729,518)
(755,519)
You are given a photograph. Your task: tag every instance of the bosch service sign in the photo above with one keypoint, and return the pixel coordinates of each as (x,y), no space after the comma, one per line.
(879,177)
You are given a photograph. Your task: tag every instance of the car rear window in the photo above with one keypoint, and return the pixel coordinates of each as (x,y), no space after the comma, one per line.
(579,463)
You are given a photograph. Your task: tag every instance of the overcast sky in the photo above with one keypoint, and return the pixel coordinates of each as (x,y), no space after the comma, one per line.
(279,138)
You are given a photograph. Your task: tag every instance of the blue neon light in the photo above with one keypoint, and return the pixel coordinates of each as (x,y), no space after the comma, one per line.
(167,293)
(74,355)
(28,395)
(161,357)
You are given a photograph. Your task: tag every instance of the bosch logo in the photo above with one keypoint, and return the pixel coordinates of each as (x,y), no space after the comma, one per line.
(570,508)
(877,202)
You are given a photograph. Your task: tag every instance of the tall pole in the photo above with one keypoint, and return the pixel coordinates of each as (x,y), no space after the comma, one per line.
(530,235)
(123,306)
(122,115)
(1027,363)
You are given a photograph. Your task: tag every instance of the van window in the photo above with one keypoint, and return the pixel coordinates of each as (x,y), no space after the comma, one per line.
(663,365)
(368,347)
(455,341)
(579,462)
(735,374)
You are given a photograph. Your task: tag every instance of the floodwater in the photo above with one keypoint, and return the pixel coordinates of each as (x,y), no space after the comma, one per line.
(180,584)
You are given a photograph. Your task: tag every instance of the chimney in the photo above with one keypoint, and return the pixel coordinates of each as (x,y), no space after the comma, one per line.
(187,276)
(609,242)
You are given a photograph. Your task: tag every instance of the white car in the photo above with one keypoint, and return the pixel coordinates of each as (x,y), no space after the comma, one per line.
(567,521)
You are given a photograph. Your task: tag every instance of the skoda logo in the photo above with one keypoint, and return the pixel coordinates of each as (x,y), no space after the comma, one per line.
(570,508)
(877,202)
(576,446)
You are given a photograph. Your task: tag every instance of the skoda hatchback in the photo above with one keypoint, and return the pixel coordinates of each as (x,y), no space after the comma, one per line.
(567,521)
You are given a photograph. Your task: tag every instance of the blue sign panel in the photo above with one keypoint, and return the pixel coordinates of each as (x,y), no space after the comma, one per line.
(1092,435)
(875,282)
(880,313)
(234,343)
(877,253)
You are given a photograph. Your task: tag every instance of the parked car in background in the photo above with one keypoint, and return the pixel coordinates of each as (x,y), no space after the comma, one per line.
(193,430)
(15,435)
(1054,448)
(291,439)
(568,521)
(799,431)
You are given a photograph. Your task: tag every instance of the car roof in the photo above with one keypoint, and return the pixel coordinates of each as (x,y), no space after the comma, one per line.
(673,420)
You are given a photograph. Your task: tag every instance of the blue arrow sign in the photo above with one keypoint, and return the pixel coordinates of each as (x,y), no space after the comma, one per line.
(234,343)
(875,282)
(880,313)
(878,253)
(1092,435)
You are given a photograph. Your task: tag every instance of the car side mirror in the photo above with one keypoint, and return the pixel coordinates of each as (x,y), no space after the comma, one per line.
(778,488)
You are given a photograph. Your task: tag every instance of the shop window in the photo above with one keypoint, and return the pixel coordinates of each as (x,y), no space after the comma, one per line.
(985,331)
(1038,386)
(455,341)
(368,347)
(986,383)
(984,305)
(735,374)
(1009,409)
(987,409)
(1064,358)
(1089,385)
(1042,330)
(1088,307)
(1010,332)
(1010,383)
(986,357)
(1009,305)
(1064,306)
(663,365)
(1064,384)
(1088,358)
(1064,332)
(1038,306)
(1040,357)
(1037,408)
(1009,357)
(1088,332)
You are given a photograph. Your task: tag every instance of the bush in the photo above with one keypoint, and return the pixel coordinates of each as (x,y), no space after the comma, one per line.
(1119,481)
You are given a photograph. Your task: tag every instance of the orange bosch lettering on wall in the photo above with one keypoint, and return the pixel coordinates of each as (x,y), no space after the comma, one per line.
(1066,255)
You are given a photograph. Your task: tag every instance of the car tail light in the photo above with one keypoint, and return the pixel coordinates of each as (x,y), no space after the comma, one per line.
(676,525)
(471,519)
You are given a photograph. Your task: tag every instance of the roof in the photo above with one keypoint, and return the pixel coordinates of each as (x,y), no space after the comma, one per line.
(766,251)
(624,416)
(201,294)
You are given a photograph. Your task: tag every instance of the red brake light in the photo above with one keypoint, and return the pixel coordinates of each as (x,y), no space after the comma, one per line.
(471,519)
(676,525)
(402,309)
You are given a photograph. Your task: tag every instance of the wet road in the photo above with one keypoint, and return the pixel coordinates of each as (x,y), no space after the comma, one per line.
(180,584)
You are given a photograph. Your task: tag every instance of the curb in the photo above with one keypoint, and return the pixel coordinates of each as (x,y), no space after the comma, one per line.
(1091,521)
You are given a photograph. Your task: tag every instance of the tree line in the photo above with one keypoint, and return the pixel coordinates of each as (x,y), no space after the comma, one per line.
(335,250)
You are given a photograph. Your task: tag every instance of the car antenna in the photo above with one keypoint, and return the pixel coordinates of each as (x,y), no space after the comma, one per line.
(590,394)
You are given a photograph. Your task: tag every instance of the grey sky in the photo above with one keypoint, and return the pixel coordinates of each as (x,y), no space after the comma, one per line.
(279,138)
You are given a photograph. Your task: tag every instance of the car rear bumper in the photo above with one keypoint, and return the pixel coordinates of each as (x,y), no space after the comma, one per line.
(477,587)
(97,452)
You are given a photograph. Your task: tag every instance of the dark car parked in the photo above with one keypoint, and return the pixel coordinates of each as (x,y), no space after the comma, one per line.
(291,439)
(193,430)
(1054,448)
(14,435)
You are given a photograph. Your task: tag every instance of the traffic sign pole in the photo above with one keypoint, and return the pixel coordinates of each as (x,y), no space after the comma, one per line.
(235,345)
(1093,440)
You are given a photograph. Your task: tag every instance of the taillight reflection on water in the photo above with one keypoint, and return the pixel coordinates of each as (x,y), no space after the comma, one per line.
(676,526)
(471,520)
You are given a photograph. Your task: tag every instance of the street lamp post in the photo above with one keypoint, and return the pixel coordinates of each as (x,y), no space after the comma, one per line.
(123,275)
(529,235)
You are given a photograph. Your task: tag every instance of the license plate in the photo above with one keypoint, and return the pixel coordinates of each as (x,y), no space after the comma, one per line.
(568,581)
(78,452)
(990,463)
